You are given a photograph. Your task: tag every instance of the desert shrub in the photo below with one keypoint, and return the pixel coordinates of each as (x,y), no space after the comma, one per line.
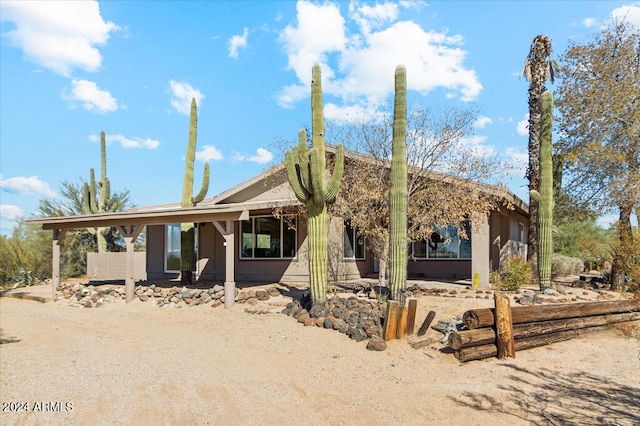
(515,273)
(562,265)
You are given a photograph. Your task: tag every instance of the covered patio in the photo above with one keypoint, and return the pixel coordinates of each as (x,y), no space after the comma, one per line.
(132,222)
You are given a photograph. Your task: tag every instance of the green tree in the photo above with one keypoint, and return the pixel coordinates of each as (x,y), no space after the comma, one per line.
(599,104)
(538,68)
(25,256)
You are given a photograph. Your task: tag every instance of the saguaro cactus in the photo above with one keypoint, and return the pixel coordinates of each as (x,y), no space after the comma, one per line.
(545,196)
(187,230)
(398,191)
(90,202)
(307,176)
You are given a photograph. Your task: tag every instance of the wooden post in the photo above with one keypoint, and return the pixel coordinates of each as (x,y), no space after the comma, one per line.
(411,319)
(58,236)
(391,321)
(427,322)
(229,282)
(401,331)
(504,327)
(130,233)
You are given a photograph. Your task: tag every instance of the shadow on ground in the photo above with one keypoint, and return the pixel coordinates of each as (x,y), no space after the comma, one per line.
(576,398)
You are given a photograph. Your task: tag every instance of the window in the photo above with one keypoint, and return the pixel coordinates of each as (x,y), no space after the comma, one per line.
(445,243)
(353,245)
(266,237)
(172,247)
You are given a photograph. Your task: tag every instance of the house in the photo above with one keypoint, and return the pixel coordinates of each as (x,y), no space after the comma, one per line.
(240,240)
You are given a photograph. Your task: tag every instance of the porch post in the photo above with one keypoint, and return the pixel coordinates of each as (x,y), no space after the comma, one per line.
(130,233)
(229,281)
(481,251)
(58,236)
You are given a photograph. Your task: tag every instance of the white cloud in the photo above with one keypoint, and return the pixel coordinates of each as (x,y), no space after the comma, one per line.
(262,156)
(208,153)
(92,98)
(523,126)
(10,213)
(128,143)
(320,30)
(629,13)
(27,186)
(588,22)
(482,122)
(372,17)
(59,35)
(518,160)
(238,42)
(182,93)
(367,56)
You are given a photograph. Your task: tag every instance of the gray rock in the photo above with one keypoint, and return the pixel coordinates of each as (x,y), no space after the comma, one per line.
(262,295)
(358,335)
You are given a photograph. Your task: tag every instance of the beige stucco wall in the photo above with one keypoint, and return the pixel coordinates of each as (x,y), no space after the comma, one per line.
(113,266)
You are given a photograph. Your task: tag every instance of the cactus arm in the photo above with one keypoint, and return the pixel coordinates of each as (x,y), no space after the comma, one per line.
(317,177)
(535,195)
(86,204)
(317,116)
(93,203)
(302,155)
(205,186)
(294,176)
(336,178)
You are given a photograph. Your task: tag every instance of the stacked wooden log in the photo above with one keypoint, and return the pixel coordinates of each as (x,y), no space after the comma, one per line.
(489,332)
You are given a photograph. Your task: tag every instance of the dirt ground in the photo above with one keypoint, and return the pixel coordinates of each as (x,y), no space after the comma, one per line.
(138,364)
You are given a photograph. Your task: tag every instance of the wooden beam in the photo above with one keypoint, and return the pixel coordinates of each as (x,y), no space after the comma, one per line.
(479,318)
(401,329)
(411,319)
(426,323)
(391,320)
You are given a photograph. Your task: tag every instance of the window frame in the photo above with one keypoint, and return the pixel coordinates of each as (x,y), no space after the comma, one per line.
(427,250)
(355,237)
(166,243)
(283,224)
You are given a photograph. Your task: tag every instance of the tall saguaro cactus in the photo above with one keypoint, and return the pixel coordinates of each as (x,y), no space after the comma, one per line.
(545,195)
(91,204)
(307,176)
(398,191)
(187,230)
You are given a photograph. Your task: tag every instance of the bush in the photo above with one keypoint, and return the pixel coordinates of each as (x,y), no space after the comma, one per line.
(515,273)
(562,265)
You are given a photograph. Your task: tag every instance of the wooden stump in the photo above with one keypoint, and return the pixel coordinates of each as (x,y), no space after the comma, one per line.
(391,320)
(411,319)
(427,322)
(504,327)
(401,330)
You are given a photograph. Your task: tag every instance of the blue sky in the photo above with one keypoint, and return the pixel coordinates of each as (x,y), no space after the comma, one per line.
(71,69)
